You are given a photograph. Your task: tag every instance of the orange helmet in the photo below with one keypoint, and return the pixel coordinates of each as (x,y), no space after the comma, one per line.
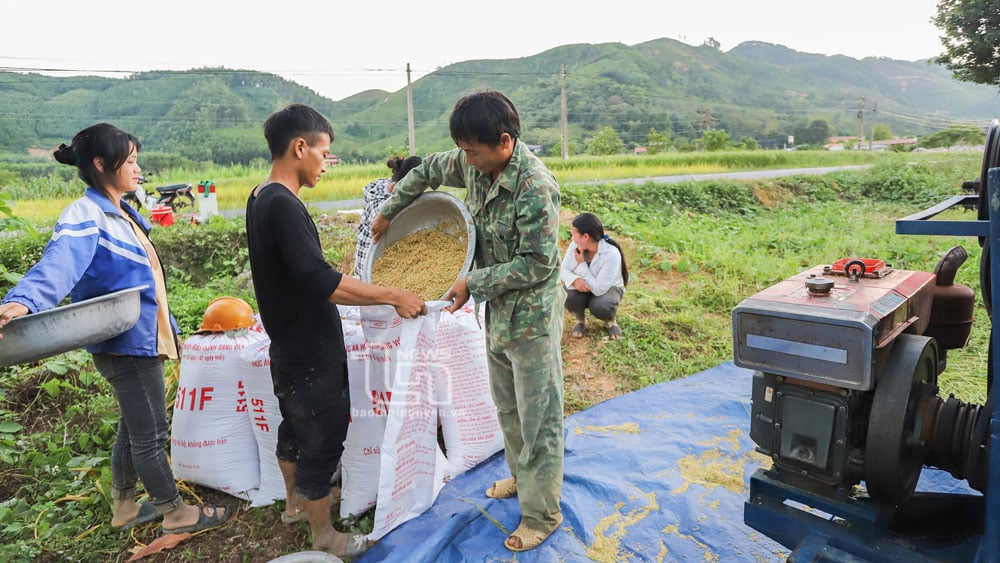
(227,313)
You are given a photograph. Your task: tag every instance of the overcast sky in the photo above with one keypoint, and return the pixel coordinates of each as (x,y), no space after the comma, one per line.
(339,48)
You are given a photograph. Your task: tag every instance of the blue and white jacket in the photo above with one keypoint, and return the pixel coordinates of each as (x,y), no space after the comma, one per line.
(95,251)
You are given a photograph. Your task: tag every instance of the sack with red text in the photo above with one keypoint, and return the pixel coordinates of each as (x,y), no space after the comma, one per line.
(264,417)
(369,369)
(211,441)
(467,414)
(412,466)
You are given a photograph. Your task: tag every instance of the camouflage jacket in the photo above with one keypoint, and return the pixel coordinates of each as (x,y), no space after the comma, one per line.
(517,230)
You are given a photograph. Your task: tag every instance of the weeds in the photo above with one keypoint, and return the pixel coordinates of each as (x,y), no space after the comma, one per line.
(695,249)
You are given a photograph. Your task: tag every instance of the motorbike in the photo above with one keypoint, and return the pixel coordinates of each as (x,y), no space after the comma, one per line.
(176,196)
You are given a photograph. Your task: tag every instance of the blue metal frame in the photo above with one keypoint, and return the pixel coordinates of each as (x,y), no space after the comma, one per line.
(920,223)
(989,549)
(817,527)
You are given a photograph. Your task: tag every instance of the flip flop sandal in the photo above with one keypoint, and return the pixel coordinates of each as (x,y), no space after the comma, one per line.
(577,331)
(614,332)
(147,514)
(356,545)
(504,488)
(529,538)
(208,517)
(297,516)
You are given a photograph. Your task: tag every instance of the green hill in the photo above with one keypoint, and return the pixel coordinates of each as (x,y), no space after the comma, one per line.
(756,89)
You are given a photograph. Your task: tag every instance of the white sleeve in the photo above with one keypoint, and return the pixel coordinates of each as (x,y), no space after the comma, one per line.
(605,269)
(566,274)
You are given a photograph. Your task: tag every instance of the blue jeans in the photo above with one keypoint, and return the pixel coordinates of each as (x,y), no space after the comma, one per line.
(139,451)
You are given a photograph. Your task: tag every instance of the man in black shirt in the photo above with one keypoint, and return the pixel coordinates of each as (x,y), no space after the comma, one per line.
(297,292)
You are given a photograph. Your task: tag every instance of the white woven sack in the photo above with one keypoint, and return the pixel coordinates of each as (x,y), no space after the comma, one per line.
(467,414)
(211,442)
(264,418)
(369,365)
(413,468)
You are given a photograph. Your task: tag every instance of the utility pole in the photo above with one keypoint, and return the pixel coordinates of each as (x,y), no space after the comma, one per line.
(409,112)
(564,119)
(861,121)
(705,120)
(872,138)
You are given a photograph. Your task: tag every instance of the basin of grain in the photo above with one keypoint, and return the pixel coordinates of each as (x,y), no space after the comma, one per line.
(427,247)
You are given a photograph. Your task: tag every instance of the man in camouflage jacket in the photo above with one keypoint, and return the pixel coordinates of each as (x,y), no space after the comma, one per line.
(514,202)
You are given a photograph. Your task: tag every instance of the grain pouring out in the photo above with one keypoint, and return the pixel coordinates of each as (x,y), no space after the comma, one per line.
(425,262)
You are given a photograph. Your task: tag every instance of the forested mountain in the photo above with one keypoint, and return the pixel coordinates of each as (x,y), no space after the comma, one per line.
(203,114)
(757,90)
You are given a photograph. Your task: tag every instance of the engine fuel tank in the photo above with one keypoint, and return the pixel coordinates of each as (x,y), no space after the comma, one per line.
(823,325)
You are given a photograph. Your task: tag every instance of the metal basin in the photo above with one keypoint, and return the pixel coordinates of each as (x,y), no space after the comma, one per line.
(428,211)
(307,557)
(40,335)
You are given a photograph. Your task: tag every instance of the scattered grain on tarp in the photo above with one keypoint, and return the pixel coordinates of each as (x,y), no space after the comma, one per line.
(627,428)
(708,555)
(610,530)
(732,440)
(714,467)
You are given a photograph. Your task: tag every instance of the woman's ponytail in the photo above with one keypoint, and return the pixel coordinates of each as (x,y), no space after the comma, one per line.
(65,155)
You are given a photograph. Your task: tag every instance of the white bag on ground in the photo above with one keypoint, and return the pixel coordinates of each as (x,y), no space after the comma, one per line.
(468,416)
(264,417)
(413,468)
(367,369)
(370,365)
(211,441)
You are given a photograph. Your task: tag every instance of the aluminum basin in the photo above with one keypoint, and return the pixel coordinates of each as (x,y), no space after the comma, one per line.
(428,211)
(40,335)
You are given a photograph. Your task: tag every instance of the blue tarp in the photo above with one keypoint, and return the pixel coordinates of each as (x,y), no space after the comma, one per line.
(660,474)
(656,475)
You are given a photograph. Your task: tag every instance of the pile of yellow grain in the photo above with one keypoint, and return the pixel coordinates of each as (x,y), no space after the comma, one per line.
(425,262)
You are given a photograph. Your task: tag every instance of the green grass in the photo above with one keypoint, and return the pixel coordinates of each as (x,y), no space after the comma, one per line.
(695,251)
(40,199)
(724,260)
(732,245)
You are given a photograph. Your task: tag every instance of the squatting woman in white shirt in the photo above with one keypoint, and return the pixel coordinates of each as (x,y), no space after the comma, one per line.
(595,275)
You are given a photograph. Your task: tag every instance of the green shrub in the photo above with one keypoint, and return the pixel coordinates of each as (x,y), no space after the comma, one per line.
(19,252)
(698,197)
(198,253)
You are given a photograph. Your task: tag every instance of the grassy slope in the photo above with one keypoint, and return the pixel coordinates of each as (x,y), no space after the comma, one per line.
(698,250)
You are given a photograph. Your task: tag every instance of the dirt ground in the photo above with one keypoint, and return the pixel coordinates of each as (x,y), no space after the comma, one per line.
(585,380)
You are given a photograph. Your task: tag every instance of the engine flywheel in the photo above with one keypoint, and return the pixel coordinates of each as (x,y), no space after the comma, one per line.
(894,451)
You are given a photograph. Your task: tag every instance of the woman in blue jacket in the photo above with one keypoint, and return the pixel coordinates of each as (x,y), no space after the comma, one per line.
(100,246)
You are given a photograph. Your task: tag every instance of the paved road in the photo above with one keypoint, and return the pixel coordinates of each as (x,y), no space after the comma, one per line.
(344,204)
(338,204)
(748,175)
